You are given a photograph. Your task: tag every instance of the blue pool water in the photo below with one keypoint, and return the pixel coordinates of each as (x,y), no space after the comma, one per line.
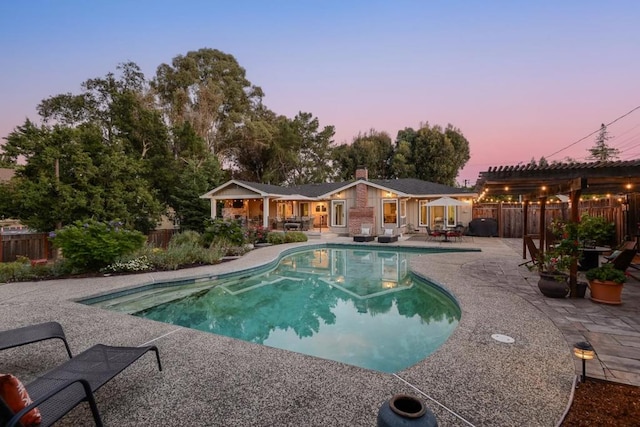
(361,307)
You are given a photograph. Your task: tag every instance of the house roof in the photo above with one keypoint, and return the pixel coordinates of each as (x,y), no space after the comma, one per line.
(320,189)
(408,187)
(418,187)
(535,181)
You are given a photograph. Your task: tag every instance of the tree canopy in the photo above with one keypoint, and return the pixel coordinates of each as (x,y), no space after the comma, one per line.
(429,153)
(131,148)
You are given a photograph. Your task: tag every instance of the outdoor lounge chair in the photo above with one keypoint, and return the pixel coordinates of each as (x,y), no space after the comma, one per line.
(623,260)
(31,334)
(365,235)
(58,391)
(534,253)
(388,236)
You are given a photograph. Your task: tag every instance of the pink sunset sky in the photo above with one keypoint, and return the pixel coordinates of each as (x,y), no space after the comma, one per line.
(521,79)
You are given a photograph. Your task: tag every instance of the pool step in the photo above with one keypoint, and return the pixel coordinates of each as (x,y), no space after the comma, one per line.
(135,302)
(245,285)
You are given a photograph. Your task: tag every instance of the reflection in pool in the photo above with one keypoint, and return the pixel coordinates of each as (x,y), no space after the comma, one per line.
(361,307)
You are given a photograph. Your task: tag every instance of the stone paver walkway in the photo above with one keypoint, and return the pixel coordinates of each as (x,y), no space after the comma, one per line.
(613,330)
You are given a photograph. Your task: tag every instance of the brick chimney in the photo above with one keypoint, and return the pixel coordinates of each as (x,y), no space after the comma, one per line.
(361,213)
(362,173)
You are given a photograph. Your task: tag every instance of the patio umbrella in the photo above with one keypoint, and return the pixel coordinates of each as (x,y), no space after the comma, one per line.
(446,201)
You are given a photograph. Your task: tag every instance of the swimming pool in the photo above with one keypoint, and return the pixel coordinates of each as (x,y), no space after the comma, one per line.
(360,306)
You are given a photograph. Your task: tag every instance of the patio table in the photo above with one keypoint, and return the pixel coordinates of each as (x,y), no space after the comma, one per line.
(591,257)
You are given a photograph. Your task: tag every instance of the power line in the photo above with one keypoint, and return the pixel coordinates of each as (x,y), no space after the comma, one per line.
(592,133)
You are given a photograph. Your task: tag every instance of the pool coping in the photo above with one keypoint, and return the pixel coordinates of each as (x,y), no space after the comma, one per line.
(470,380)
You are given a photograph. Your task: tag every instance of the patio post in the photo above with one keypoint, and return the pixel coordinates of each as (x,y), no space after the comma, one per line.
(543,224)
(525,227)
(575,217)
(214,207)
(265,213)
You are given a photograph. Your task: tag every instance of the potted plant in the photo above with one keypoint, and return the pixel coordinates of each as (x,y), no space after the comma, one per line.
(553,269)
(596,230)
(554,266)
(605,284)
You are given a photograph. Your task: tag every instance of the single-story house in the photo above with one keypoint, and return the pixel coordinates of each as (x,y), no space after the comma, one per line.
(342,207)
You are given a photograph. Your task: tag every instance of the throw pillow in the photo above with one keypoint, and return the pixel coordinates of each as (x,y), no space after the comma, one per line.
(16,397)
(388,231)
(365,231)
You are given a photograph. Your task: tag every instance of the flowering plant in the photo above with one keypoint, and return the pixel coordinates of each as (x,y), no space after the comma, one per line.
(566,249)
(553,262)
(257,234)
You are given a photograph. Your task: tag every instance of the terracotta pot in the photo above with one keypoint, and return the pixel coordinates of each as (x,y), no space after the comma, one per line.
(606,292)
(553,285)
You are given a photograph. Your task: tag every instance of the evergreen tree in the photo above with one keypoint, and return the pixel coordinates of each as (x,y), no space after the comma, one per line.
(601,151)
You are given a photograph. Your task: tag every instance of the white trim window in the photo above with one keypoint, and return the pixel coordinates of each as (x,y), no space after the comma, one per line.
(305,209)
(390,211)
(423,213)
(338,213)
(403,212)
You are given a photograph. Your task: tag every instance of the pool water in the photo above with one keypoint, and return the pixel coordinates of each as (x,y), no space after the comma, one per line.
(361,307)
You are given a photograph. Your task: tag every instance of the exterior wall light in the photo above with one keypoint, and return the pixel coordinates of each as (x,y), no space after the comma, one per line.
(583,350)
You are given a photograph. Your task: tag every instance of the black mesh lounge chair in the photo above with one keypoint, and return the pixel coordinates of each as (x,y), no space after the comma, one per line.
(31,334)
(60,390)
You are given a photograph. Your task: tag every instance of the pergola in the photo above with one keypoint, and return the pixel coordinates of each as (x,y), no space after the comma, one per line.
(531,182)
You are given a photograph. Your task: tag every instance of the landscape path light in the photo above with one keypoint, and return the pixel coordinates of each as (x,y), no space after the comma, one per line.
(583,350)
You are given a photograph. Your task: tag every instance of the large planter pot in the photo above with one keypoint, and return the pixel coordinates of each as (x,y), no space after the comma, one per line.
(553,285)
(606,292)
(405,411)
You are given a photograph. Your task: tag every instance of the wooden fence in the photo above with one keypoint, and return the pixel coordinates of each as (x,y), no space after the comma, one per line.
(510,216)
(35,246)
(31,245)
(160,238)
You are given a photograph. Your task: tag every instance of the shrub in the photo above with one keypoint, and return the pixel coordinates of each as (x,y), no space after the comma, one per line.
(228,229)
(16,271)
(257,234)
(174,257)
(228,248)
(596,230)
(92,245)
(275,238)
(186,237)
(294,236)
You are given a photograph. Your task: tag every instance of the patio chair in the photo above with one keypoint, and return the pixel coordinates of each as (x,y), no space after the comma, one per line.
(365,235)
(617,251)
(58,391)
(32,334)
(433,234)
(389,235)
(623,261)
(456,233)
(534,252)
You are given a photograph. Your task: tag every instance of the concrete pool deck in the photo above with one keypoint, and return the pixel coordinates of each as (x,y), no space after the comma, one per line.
(218,381)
